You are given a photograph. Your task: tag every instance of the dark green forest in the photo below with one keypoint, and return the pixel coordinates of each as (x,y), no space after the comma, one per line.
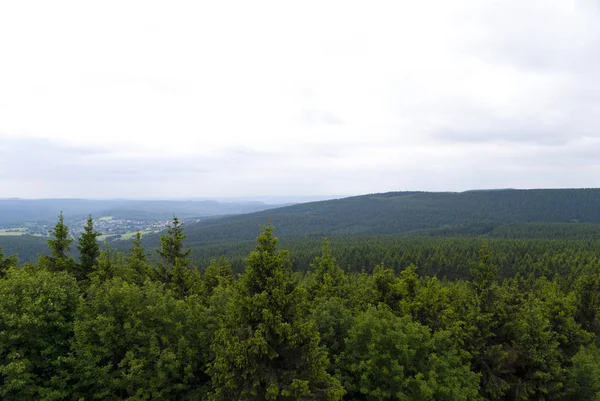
(545,214)
(534,213)
(356,317)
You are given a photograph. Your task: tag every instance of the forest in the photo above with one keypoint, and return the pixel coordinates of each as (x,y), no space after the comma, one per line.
(379,318)
(506,213)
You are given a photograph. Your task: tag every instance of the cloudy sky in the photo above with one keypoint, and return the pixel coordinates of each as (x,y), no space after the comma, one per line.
(176,99)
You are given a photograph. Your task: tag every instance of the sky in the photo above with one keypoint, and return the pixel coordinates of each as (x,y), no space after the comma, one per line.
(180,99)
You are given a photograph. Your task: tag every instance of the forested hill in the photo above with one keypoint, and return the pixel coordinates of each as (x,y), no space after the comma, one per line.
(471,212)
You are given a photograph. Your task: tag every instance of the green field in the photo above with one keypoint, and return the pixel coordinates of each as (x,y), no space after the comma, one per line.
(123,237)
(13,231)
(106,218)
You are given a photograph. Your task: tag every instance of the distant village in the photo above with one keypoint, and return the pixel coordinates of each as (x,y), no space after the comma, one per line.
(110,228)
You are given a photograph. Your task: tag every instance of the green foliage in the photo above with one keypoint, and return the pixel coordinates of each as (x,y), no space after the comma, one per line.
(88,248)
(6,262)
(471,213)
(135,342)
(537,365)
(587,299)
(386,287)
(584,377)
(183,281)
(174,268)
(485,272)
(60,245)
(390,318)
(218,273)
(267,348)
(136,261)
(37,311)
(109,265)
(329,280)
(28,247)
(172,247)
(333,320)
(393,358)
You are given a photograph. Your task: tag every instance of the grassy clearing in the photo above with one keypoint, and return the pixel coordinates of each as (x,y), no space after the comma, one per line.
(106,218)
(123,237)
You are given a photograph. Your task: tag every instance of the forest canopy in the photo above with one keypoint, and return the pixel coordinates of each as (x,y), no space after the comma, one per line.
(432,319)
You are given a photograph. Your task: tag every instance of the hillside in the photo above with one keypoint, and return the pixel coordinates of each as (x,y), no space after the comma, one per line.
(22,210)
(561,214)
(498,212)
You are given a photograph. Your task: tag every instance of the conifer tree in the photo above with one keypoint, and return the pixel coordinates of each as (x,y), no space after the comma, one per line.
(37,313)
(172,247)
(172,252)
(184,281)
(487,354)
(329,278)
(386,286)
(393,358)
(110,264)
(485,272)
(218,273)
(60,246)
(268,349)
(137,269)
(88,247)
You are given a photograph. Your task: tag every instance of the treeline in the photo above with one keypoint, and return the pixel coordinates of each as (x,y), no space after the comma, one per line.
(447,258)
(537,237)
(117,326)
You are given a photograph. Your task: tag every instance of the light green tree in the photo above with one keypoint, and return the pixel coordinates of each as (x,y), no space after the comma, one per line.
(583,378)
(136,261)
(37,310)
(393,358)
(138,343)
(217,273)
(329,280)
(268,349)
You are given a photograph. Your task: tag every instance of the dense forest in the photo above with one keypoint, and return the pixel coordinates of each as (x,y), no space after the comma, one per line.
(363,318)
(549,214)
(498,213)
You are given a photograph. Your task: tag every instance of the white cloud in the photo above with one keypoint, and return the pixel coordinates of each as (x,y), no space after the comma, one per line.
(244,98)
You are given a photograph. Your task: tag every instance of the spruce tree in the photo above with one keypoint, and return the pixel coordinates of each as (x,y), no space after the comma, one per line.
(172,252)
(88,247)
(487,354)
(329,279)
(60,246)
(217,273)
(268,349)
(172,247)
(136,260)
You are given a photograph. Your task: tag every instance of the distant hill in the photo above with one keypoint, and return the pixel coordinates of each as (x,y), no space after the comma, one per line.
(552,214)
(420,213)
(19,210)
(27,247)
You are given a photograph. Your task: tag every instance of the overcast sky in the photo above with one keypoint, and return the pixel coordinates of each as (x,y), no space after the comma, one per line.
(220,98)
